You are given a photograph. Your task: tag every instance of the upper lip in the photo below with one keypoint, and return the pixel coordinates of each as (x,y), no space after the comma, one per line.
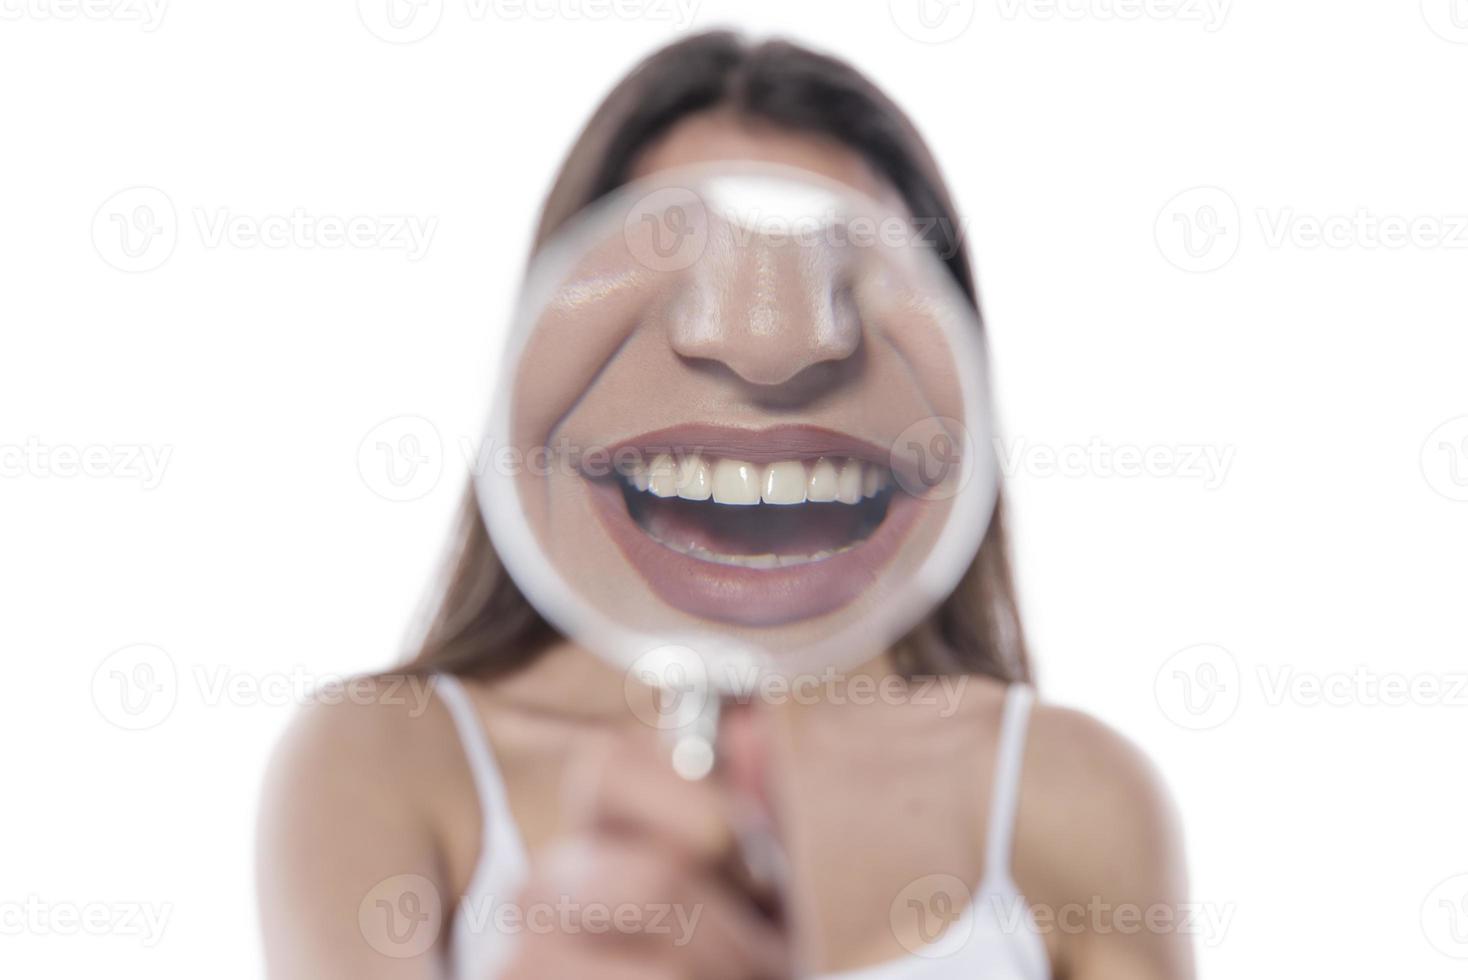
(773,444)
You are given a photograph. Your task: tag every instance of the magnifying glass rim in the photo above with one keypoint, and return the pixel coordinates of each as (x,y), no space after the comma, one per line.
(497,492)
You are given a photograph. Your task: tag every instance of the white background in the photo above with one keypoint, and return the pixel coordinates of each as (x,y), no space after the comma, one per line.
(267,553)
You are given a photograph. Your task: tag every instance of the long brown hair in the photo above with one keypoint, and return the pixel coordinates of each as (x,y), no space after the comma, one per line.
(481,624)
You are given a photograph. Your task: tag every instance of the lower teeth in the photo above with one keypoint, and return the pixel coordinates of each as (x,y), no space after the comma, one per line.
(752,561)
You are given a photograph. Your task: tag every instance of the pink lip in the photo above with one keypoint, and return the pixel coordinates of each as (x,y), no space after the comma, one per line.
(765,445)
(755,445)
(755,597)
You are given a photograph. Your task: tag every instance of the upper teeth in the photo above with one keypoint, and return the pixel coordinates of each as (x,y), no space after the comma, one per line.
(735,481)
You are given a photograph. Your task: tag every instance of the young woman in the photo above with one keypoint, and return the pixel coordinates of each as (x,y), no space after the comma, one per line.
(977,835)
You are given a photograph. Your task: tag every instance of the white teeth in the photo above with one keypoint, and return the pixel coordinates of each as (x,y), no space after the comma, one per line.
(695,478)
(736,482)
(784,483)
(848,482)
(822,485)
(663,476)
(871,481)
(741,483)
(638,476)
(755,561)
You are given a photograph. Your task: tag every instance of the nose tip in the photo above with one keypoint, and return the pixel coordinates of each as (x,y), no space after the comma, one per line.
(767,311)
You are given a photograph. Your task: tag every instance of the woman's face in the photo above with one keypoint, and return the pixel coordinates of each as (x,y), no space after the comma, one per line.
(739,436)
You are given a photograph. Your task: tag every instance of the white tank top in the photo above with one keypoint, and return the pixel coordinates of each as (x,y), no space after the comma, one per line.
(994,936)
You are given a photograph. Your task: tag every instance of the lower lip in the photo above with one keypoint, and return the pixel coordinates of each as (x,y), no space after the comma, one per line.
(756,597)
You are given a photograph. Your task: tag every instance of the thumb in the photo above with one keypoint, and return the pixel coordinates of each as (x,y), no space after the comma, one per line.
(744,745)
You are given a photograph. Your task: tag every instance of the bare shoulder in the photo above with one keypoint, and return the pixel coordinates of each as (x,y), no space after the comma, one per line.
(366,738)
(1083,774)
(348,807)
(1097,831)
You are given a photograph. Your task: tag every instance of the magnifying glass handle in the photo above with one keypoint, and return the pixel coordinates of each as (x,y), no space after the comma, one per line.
(695,756)
(694,732)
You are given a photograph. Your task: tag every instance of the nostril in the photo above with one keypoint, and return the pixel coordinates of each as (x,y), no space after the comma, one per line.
(770,358)
(769,317)
(838,323)
(780,381)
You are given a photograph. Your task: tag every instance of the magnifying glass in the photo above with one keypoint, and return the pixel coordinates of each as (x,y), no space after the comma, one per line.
(741,433)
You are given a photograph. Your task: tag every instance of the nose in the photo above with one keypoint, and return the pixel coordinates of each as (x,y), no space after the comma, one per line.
(766,308)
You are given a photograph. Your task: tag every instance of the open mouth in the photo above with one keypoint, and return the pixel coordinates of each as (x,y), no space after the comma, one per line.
(757,515)
(754,528)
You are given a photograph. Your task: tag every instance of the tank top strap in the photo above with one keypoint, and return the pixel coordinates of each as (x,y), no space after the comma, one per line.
(499,829)
(1004,797)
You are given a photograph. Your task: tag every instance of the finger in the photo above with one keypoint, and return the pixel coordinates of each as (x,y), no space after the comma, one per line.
(653,900)
(632,791)
(732,930)
(723,824)
(538,959)
(744,754)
